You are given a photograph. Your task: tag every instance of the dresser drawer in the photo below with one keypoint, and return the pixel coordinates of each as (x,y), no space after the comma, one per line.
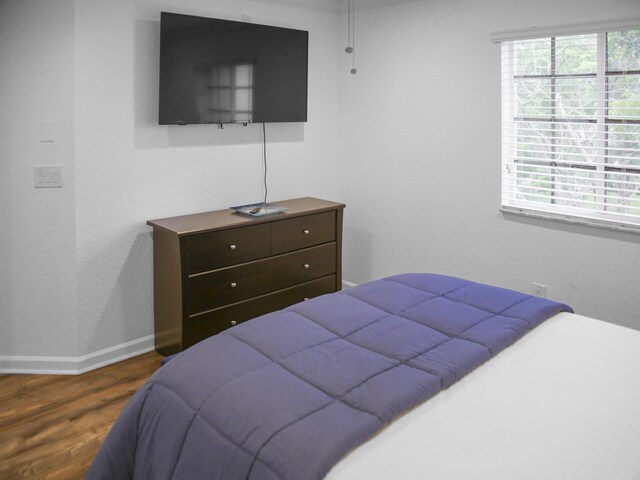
(302,232)
(199,327)
(229,285)
(208,251)
(303,265)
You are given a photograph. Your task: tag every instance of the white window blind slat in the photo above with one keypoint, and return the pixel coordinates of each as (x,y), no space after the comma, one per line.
(571,126)
(549,187)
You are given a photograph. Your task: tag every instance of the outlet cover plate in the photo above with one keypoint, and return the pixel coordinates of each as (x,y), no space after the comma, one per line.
(540,290)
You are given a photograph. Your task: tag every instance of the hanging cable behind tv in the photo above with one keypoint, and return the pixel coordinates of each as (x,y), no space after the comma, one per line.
(263,208)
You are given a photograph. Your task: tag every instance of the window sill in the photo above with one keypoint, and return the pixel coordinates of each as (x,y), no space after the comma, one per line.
(569,219)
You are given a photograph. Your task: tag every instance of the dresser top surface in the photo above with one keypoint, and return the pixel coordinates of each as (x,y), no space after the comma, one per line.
(227,218)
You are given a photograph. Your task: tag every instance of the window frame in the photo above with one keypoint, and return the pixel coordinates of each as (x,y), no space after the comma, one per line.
(511,160)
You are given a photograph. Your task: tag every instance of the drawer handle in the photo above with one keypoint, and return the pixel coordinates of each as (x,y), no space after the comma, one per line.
(233,323)
(234,284)
(306,231)
(232,247)
(306,265)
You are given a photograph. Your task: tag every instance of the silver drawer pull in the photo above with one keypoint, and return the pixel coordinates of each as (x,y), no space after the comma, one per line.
(233,323)
(306,265)
(306,231)
(232,247)
(234,284)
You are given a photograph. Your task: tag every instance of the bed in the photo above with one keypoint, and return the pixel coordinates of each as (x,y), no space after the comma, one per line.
(365,384)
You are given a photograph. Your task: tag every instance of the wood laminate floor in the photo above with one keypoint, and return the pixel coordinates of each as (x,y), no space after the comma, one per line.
(51,426)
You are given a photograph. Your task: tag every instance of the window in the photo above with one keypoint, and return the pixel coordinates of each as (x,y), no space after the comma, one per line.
(571,127)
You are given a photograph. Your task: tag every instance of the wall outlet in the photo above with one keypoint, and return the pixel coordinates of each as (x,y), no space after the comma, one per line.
(539,290)
(47,177)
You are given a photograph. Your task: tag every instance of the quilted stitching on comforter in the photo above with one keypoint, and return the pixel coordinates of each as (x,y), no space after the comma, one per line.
(286,395)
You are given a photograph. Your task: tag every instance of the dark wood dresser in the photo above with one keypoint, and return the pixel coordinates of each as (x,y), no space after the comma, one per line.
(214,270)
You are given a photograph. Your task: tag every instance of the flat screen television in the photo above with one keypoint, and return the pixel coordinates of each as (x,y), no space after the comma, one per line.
(222,71)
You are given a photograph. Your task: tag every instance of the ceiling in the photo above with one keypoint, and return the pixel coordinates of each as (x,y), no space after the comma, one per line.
(335,6)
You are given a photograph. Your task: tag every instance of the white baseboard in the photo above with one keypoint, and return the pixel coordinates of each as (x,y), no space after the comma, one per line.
(76,365)
(85,363)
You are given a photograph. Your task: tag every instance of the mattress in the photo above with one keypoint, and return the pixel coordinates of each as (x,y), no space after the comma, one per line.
(561,403)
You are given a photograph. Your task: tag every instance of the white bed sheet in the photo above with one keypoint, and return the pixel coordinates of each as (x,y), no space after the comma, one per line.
(561,403)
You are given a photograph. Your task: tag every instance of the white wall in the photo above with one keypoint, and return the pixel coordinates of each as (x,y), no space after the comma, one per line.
(37,242)
(130,170)
(77,261)
(421,159)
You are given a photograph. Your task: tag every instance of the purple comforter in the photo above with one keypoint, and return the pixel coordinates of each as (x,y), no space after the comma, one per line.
(286,395)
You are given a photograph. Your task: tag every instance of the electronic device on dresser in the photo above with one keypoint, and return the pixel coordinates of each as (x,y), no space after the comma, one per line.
(213,270)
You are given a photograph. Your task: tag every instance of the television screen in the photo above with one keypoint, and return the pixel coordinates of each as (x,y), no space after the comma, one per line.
(221,71)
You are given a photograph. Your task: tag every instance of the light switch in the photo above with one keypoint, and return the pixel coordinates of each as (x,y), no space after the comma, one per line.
(47,177)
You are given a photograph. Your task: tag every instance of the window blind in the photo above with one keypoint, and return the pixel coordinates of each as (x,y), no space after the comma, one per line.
(571,126)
